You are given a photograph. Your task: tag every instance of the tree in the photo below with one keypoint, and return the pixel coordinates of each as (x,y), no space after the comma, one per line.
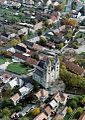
(83,101)
(6,118)
(21,16)
(59,46)
(24,118)
(75,45)
(6,112)
(72,22)
(36,111)
(6,102)
(59,7)
(69,110)
(42,41)
(23,37)
(14,42)
(79,112)
(69,34)
(73,104)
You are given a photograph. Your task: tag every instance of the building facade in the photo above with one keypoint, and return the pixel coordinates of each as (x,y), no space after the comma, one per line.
(47,72)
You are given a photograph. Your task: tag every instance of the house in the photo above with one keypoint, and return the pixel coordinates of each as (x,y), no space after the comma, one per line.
(42,94)
(26,89)
(48,110)
(54,105)
(60,98)
(41,116)
(47,72)
(15,82)
(8,35)
(5,77)
(34,39)
(82,117)
(23,31)
(16,5)
(38,47)
(75,68)
(31,61)
(19,57)
(21,48)
(15,98)
(26,109)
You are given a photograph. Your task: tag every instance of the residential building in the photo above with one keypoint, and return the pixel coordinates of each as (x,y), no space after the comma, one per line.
(42,94)
(75,68)
(54,105)
(15,82)
(82,117)
(41,116)
(60,98)
(23,31)
(47,72)
(26,109)
(15,98)
(5,77)
(21,48)
(26,89)
(19,57)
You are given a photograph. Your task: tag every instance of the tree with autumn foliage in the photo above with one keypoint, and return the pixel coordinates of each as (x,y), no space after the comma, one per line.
(72,22)
(36,111)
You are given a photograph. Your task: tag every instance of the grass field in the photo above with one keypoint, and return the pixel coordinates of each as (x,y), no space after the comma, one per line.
(3,60)
(18,68)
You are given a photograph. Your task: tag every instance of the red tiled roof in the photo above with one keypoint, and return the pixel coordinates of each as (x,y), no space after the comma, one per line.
(15,97)
(32,61)
(18,55)
(48,110)
(74,67)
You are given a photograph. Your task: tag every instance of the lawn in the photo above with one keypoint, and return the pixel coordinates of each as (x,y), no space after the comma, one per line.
(18,68)
(3,60)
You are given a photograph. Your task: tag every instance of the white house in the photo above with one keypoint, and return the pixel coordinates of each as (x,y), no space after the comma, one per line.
(15,82)
(26,89)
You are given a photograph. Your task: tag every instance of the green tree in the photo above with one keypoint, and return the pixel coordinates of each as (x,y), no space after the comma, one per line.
(6,118)
(75,45)
(23,38)
(24,118)
(73,104)
(69,110)
(83,101)
(42,41)
(6,102)
(21,16)
(79,112)
(6,112)
(59,46)
(69,34)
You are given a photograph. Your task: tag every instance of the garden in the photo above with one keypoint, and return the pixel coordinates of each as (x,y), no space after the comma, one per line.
(18,68)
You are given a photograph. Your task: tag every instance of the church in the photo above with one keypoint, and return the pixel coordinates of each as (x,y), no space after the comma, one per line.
(46,72)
